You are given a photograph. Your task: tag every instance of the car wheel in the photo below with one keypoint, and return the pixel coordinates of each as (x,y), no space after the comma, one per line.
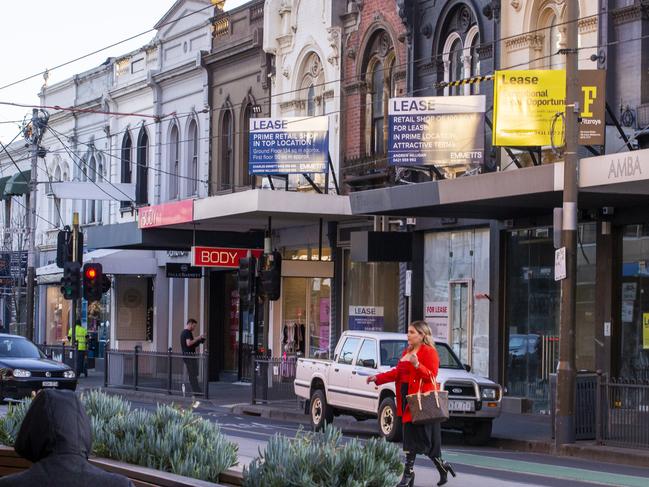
(389,423)
(478,433)
(321,413)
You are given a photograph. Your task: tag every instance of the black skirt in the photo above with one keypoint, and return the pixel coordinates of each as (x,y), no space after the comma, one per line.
(423,439)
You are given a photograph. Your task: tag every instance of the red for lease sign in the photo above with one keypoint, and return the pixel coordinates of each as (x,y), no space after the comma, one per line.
(221,257)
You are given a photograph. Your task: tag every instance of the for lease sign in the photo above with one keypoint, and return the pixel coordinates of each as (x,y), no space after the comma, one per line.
(227,258)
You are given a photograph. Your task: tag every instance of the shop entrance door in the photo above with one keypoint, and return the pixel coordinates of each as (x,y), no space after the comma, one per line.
(461,318)
(224,328)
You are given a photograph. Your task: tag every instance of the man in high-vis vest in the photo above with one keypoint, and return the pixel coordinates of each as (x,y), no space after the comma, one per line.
(81,336)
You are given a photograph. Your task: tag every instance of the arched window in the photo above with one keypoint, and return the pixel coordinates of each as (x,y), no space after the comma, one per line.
(459,42)
(91,175)
(174,163)
(244,177)
(475,62)
(192,140)
(227,150)
(552,43)
(378,146)
(142,182)
(310,101)
(127,170)
(456,70)
(99,203)
(55,213)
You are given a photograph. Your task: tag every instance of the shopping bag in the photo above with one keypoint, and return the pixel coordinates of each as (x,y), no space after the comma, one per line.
(428,407)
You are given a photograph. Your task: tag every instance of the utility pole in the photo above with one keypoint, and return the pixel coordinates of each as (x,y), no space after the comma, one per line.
(75,255)
(566,374)
(38,126)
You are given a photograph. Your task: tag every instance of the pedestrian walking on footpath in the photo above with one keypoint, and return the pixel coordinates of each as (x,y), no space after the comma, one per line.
(56,436)
(81,336)
(189,345)
(417,370)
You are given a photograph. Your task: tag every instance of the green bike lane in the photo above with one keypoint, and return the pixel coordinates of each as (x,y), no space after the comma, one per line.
(544,470)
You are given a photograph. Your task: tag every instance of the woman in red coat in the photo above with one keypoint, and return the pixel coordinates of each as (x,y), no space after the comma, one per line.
(417,369)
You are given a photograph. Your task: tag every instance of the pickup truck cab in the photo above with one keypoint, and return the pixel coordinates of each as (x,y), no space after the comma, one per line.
(330,388)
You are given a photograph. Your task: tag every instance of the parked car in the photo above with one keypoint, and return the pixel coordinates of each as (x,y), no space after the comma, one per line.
(330,388)
(25,369)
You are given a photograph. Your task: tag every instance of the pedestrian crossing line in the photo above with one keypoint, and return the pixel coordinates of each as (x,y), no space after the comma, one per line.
(545,470)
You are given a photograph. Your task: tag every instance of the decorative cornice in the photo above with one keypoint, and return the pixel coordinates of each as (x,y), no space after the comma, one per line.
(485,51)
(293,105)
(426,68)
(588,25)
(327,95)
(400,75)
(355,87)
(524,41)
(625,15)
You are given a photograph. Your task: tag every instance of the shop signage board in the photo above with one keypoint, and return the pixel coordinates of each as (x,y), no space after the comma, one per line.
(592,118)
(183,271)
(170,213)
(436,315)
(366,318)
(227,258)
(525,105)
(294,145)
(436,130)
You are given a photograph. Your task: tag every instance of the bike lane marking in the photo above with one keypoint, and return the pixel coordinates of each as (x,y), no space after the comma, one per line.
(545,470)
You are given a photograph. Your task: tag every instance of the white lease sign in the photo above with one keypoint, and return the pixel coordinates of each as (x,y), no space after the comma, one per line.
(560,264)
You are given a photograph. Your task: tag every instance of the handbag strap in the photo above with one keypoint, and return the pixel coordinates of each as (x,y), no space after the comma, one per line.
(435,390)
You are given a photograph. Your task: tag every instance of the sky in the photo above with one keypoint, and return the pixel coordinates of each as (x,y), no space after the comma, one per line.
(40,34)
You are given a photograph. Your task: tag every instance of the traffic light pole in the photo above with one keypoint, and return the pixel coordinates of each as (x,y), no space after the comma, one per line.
(566,374)
(75,255)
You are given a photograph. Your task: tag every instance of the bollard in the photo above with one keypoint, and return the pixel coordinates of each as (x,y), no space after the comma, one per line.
(169,375)
(206,383)
(135,366)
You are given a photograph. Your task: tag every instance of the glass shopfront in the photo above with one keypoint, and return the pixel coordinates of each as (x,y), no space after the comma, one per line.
(456,288)
(532,302)
(634,340)
(57,315)
(371,295)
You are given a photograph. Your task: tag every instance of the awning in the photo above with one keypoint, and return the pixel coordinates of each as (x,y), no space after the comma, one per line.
(116,262)
(3,183)
(129,236)
(617,180)
(18,184)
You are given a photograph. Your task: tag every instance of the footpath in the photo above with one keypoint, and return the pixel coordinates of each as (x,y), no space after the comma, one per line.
(511,431)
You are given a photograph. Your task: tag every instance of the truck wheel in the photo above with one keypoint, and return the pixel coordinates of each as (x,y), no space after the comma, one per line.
(321,413)
(389,423)
(478,434)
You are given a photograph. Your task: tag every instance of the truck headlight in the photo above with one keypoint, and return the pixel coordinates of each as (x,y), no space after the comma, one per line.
(489,393)
(69,374)
(21,373)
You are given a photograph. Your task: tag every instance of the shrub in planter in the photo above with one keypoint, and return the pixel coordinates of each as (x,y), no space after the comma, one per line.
(168,439)
(324,460)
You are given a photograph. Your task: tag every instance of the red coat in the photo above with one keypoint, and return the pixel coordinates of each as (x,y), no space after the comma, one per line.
(405,372)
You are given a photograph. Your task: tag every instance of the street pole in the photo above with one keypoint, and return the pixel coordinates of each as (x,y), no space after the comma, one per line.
(31,227)
(75,255)
(566,375)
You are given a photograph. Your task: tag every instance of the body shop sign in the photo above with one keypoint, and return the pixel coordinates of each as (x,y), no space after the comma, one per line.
(288,145)
(226,258)
(438,130)
(166,214)
(366,318)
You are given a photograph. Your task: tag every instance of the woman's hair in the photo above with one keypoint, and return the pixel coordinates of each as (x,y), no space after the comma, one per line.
(423,328)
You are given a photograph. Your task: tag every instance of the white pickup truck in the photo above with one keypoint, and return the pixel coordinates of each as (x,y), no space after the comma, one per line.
(330,388)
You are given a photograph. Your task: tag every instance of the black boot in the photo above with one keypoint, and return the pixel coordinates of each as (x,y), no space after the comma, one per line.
(408,479)
(444,468)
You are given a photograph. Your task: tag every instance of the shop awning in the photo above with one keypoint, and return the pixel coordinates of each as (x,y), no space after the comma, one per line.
(116,262)
(3,183)
(129,236)
(18,184)
(617,180)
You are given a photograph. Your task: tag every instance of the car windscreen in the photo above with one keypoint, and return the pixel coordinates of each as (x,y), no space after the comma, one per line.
(18,348)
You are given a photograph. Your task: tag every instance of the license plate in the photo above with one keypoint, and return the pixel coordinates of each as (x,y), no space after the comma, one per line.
(464,406)
(52,383)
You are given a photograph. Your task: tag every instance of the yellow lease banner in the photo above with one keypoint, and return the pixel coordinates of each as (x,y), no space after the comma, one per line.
(645,331)
(525,105)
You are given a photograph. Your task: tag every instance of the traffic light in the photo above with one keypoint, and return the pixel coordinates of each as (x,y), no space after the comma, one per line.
(64,247)
(71,282)
(246,278)
(93,282)
(271,275)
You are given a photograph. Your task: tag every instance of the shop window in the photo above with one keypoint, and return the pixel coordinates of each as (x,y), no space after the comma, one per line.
(371,295)
(57,316)
(134,305)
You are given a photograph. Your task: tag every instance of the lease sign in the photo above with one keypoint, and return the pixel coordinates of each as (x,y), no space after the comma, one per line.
(227,258)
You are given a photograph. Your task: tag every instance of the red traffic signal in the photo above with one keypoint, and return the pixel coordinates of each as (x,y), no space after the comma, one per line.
(93,282)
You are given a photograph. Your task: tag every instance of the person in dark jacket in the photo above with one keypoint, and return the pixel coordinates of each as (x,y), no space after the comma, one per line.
(56,436)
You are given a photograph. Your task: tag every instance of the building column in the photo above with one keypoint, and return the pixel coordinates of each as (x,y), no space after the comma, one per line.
(607,288)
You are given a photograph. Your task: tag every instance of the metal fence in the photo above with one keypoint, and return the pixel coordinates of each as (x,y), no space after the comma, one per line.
(60,353)
(171,373)
(623,410)
(273,379)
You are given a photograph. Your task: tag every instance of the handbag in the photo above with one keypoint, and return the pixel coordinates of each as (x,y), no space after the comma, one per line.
(429,407)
